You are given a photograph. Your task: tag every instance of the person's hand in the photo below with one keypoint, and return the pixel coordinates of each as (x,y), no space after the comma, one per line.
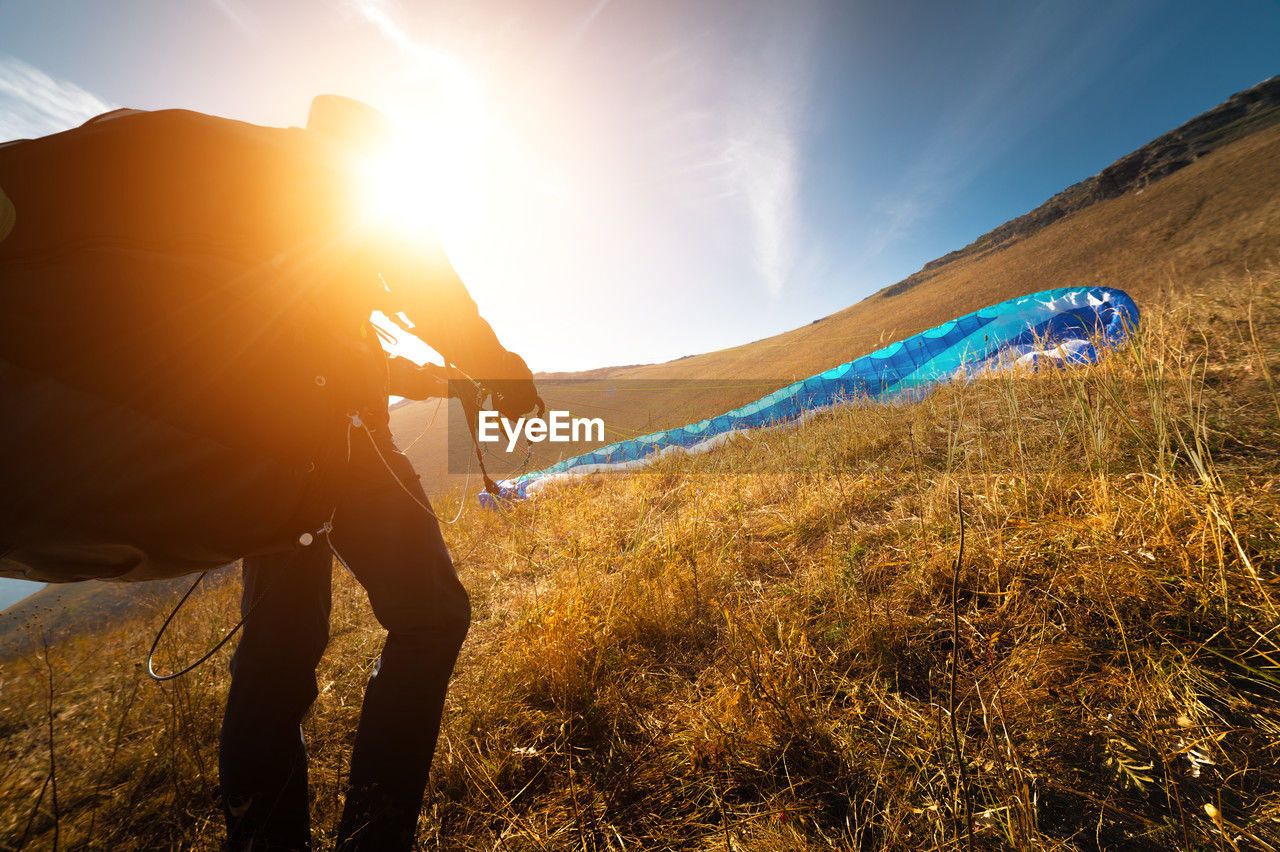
(413,382)
(513,391)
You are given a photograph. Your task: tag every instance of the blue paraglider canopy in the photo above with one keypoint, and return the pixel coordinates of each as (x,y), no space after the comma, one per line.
(1063,327)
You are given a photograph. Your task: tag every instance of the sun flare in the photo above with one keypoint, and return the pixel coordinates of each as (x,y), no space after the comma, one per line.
(453,171)
(457,171)
(419,182)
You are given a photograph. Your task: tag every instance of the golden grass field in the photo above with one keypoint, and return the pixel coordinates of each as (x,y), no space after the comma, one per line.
(708,658)
(774,647)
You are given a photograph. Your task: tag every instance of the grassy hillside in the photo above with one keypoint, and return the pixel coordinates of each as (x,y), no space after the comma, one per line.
(56,610)
(714,657)
(1218,216)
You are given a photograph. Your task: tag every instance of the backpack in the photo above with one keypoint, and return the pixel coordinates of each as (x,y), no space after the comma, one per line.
(183,338)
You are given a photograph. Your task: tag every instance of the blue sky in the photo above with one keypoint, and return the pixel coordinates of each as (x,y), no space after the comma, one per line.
(665,178)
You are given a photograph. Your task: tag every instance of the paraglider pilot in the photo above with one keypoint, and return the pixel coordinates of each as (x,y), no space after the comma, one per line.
(190,375)
(383,531)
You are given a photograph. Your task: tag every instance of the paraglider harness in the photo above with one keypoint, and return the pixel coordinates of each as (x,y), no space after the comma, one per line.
(471,393)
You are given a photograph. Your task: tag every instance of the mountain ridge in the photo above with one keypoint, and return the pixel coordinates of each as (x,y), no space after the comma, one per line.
(1244,112)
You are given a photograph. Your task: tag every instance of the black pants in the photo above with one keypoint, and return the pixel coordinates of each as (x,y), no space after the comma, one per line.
(395,550)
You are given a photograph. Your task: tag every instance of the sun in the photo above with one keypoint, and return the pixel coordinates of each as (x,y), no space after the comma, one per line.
(420,182)
(451,174)
(455,171)
(473,174)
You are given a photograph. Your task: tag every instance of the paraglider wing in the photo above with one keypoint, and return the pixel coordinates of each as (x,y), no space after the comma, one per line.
(1062,327)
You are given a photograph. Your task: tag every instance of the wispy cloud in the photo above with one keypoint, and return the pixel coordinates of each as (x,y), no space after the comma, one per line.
(673,134)
(723,109)
(765,168)
(762,149)
(766,119)
(32,103)
(736,99)
(427,59)
(241,15)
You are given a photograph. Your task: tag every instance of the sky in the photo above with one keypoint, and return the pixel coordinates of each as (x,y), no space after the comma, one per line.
(630,181)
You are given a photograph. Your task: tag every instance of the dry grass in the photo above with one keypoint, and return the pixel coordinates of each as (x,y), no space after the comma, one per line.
(752,650)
